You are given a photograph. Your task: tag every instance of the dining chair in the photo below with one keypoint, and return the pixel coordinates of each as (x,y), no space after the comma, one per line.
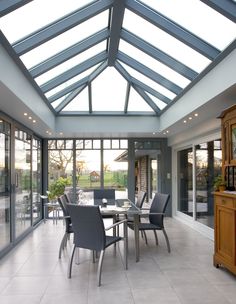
(90,233)
(68,225)
(156,217)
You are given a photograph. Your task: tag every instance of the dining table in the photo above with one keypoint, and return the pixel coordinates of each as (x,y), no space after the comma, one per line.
(117,207)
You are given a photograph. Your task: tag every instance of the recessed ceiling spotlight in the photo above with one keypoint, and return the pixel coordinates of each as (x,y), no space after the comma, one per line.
(164,133)
(185,121)
(167,131)
(25,114)
(190,118)
(47,131)
(30,117)
(34,121)
(196,114)
(61,133)
(153,133)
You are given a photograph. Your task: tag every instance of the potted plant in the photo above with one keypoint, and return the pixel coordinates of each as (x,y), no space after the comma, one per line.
(57,188)
(219,183)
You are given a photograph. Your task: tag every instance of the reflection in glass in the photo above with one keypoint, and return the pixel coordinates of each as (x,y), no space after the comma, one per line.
(185,181)
(208,166)
(4,184)
(23,184)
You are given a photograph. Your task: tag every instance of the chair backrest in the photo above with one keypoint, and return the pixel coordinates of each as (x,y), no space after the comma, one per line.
(88,227)
(140,199)
(67,198)
(99,194)
(63,204)
(158,205)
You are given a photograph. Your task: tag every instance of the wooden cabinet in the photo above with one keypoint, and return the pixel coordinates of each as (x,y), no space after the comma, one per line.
(225,230)
(225,202)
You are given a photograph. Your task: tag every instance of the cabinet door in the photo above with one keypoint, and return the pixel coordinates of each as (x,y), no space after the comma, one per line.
(233,142)
(225,233)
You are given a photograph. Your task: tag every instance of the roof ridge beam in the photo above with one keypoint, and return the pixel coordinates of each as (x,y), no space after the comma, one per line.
(158,54)
(173,29)
(117,16)
(60,26)
(224,7)
(69,52)
(85,65)
(149,73)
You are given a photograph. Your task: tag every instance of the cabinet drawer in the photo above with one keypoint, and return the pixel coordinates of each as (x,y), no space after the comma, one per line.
(225,201)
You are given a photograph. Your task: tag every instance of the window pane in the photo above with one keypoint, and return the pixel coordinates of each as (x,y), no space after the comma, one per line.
(108,91)
(88,173)
(115,172)
(164,41)
(208,166)
(153,64)
(35,12)
(199,19)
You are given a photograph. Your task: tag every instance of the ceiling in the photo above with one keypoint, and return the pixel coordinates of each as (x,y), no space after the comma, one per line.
(116,57)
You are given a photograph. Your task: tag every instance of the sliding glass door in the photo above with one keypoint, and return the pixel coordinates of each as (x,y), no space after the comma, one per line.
(5,211)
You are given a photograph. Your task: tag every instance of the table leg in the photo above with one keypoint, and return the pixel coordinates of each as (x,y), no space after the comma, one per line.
(136,236)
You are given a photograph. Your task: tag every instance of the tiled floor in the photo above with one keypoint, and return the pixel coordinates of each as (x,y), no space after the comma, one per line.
(32,273)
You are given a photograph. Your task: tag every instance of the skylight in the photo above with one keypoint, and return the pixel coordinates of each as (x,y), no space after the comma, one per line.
(116,56)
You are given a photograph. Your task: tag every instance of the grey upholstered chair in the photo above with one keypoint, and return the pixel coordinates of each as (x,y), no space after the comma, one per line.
(89,233)
(156,217)
(68,226)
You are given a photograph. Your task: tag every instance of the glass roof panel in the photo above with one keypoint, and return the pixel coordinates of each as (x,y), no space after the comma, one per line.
(137,103)
(42,11)
(153,64)
(71,63)
(161,105)
(164,41)
(57,102)
(65,40)
(199,19)
(108,91)
(148,81)
(70,82)
(79,103)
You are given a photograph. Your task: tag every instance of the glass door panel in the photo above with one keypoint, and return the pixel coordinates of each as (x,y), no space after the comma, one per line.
(36,181)
(185,181)
(5,230)
(22,182)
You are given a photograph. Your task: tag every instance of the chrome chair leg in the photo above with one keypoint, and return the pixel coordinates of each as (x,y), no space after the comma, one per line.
(62,245)
(167,240)
(70,262)
(126,245)
(99,271)
(145,236)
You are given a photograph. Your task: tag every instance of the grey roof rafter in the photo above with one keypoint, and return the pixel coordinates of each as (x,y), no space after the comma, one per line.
(8,6)
(148,100)
(68,89)
(127,97)
(117,16)
(150,90)
(173,29)
(158,54)
(69,98)
(80,68)
(58,27)
(69,53)
(149,73)
(224,7)
(136,82)
(90,98)
(98,71)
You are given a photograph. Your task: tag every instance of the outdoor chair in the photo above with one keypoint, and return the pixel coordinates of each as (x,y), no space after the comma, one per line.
(90,233)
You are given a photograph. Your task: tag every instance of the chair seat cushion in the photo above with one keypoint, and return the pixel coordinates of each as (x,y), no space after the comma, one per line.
(112,240)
